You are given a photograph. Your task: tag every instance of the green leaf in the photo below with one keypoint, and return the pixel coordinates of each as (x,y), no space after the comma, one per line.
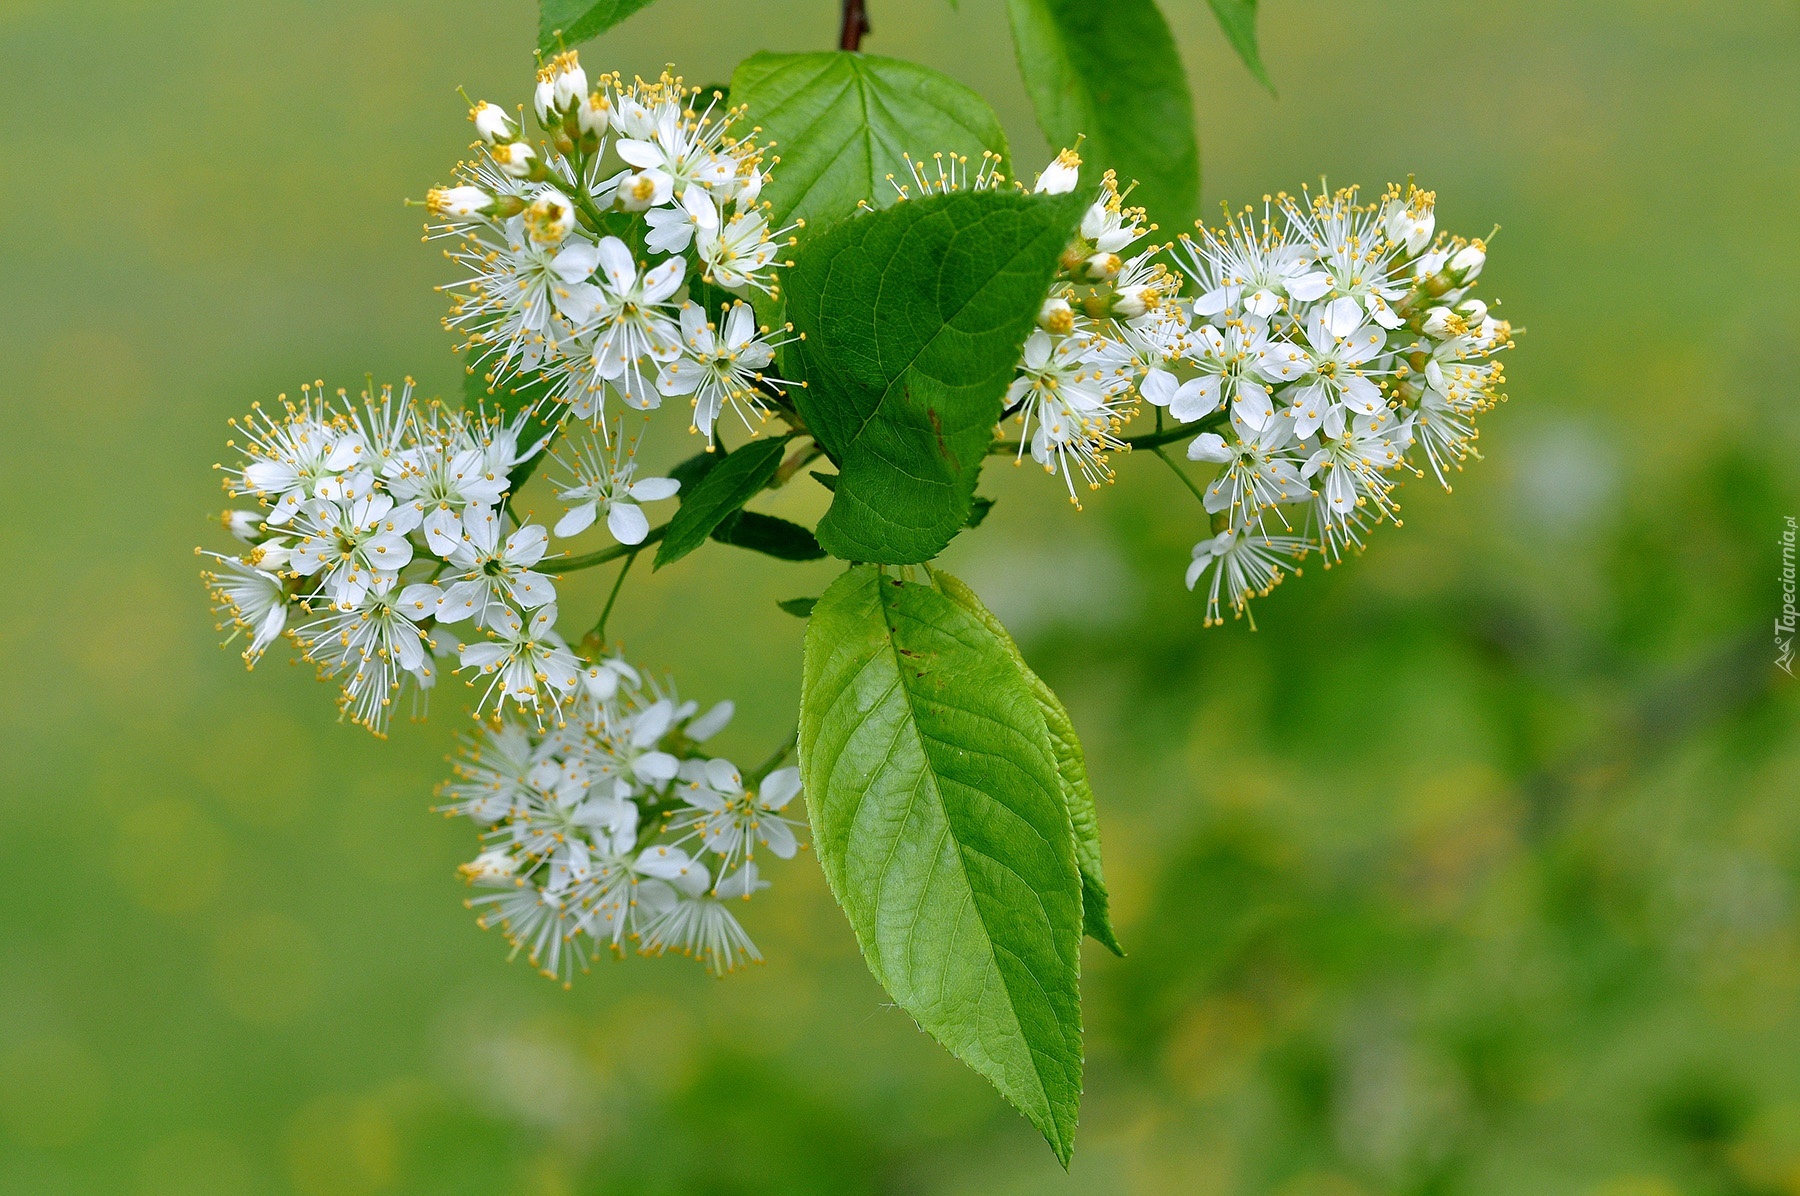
(978,510)
(827,480)
(509,399)
(1071,769)
(768,535)
(937,816)
(725,488)
(800,608)
(1238,19)
(1111,72)
(913,320)
(840,123)
(566,22)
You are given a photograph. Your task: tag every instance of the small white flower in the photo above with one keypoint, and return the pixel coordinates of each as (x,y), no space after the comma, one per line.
(631,330)
(732,822)
(495,575)
(514,158)
(721,368)
(251,601)
(1257,473)
(1061,176)
(1245,564)
(740,252)
(602,482)
(528,662)
(353,542)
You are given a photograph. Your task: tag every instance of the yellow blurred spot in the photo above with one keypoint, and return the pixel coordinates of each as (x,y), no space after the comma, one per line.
(339,1146)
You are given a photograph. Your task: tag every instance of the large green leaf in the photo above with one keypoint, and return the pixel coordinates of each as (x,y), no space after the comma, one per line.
(938,818)
(508,399)
(721,492)
(840,123)
(566,22)
(913,320)
(1110,72)
(1238,19)
(1071,769)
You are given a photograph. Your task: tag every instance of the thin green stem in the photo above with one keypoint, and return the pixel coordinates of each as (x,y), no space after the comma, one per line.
(768,766)
(1182,474)
(573,564)
(598,634)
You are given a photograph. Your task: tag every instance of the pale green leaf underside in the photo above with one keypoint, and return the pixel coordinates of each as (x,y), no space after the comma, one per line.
(841,122)
(1110,72)
(572,21)
(1071,769)
(938,818)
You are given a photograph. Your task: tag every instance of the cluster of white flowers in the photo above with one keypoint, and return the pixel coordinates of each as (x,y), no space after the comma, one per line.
(382,524)
(614,828)
(582,252)
(1320,341)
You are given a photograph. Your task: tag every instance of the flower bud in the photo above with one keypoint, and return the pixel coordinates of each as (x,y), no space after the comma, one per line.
(1473,311)
(1441,322)
(637,192)
(595,114)
(243,525)
(1056,317)
(1060,177)
(492,123)
(458,203)
(514,157)
(543,100)
(272,555)
(550,217)
(494,864)
(569,84)
(1469,260)
(1104,267)
(1133,301)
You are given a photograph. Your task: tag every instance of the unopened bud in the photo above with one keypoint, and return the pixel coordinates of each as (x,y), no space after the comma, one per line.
(494,864)
(570,84)
(514,157)
(1442,322)
(543,101)
(1473,311)
(492,123)
(272,555)
(458,203)
(242,524)
(595,114)
(1134,300)
(1056,317)
(1469,260)
(637,192)
(1104,267)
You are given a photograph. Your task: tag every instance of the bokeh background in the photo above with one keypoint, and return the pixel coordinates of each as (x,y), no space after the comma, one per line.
(1476,869)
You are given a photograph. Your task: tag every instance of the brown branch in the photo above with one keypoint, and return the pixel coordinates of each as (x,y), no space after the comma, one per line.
(855,27)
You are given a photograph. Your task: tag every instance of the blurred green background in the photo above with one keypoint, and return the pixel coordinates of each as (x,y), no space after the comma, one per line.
(1473,871)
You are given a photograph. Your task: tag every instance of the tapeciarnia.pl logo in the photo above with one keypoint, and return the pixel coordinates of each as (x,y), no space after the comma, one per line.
(1784,622)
